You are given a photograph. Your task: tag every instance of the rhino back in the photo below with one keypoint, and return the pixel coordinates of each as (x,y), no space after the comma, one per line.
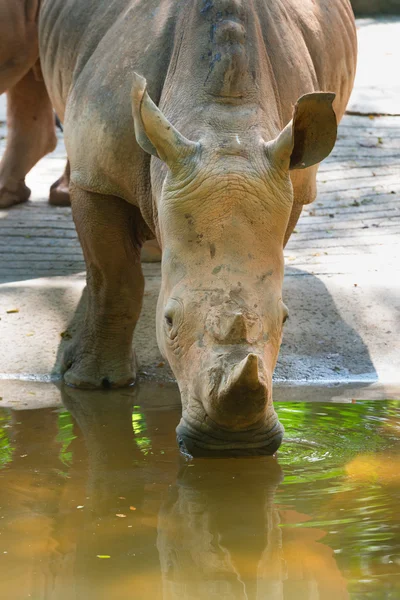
(200,58)
(89,50)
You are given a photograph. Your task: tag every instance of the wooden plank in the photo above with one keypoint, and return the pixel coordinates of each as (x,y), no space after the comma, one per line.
(352,220)
(39,226)
(73,252)
(359,169)
(349,191)
(374,236)
(35,242)
(361,121)
(38,232)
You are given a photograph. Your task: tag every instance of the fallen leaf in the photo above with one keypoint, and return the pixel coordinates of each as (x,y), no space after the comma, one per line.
(121,498)
(161,364)
(371,117)
(12,310)
(368,144)
(103,556)
(380,140)
(120,515)
(29,334)
(132,508)
(65,335)
(80,506)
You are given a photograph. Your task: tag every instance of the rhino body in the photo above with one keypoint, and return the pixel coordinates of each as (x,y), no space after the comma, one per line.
(89,51)
(30,117)
(210,89)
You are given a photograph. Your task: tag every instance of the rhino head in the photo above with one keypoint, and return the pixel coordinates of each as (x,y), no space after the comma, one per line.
(223,204)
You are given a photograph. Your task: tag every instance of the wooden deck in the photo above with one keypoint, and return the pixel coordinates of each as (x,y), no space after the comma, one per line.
(354,223)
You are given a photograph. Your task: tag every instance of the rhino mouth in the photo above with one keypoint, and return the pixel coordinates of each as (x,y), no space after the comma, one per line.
(210,441)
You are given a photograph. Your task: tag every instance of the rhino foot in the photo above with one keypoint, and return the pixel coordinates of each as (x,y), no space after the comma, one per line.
(151,252)
(59,193)
(13,193)
(86,370)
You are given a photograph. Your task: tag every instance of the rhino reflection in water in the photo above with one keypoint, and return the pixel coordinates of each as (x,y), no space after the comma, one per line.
(219,538)
(237,102)
(214,528)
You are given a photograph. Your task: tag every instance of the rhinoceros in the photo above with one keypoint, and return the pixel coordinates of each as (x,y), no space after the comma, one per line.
(30,118)
(201,123)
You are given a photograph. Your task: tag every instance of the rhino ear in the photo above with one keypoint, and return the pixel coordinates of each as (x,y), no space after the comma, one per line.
(310,135)
(154,133)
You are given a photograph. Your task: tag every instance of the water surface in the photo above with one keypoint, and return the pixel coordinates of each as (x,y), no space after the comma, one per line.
(96,502)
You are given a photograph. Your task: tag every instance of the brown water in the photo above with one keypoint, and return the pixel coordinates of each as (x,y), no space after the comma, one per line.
(96,502)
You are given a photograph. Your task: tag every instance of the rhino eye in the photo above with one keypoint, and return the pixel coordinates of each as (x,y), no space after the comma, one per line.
(173,314)
(285,318)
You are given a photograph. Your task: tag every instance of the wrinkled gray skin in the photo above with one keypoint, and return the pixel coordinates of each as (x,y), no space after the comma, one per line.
(235,155)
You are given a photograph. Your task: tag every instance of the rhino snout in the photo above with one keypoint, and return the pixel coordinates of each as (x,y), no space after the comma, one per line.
(241,397)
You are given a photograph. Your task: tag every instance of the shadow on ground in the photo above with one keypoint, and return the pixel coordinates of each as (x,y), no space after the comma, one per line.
(318,343)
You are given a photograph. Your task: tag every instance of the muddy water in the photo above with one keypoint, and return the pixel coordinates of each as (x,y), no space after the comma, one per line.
(96,502)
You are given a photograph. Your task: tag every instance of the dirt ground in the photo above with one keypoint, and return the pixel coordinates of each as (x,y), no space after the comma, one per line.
(342,281)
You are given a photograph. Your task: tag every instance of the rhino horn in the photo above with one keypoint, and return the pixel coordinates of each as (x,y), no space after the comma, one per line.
(154,133)
(244,376)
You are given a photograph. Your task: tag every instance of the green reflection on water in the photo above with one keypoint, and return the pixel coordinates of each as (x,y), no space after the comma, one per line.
(342,467)
(6,449)
(139,428)
(65,436)
(332,433)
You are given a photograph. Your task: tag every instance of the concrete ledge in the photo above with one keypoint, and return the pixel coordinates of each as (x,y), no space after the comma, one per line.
(30,395)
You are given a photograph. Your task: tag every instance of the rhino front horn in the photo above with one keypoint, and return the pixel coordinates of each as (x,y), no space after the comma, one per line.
(244,375)
(242,397)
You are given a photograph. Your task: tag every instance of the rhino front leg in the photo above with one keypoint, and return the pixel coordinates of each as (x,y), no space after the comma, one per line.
(30,136)
(111,233)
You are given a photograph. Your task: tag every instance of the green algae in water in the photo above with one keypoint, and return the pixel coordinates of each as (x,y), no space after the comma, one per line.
(319,521)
